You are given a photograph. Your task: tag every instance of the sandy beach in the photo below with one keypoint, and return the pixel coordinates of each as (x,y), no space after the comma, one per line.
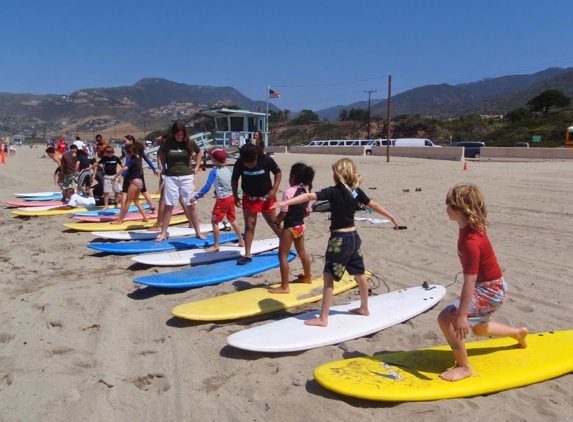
(80,341)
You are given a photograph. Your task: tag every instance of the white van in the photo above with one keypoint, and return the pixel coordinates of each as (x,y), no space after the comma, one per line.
(377,143)
(414,142)
(323,144)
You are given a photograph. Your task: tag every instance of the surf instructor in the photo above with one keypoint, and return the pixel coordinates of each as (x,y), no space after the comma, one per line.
(179,176)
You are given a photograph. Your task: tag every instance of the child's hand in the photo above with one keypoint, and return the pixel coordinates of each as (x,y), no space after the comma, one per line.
(277,204)
(461,327)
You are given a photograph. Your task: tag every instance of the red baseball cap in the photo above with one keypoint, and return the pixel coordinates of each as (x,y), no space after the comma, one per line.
(220,155)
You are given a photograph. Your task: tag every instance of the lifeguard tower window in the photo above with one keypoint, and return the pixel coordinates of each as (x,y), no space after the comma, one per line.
(237,124)
(222,123)
(252,124)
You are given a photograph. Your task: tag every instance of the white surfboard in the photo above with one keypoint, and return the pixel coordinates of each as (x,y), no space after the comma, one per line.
(34,194)
(200,256)
(291,334)
(172,231)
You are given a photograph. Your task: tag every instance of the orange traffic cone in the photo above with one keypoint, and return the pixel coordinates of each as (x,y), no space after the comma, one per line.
(465,165)
(3,154)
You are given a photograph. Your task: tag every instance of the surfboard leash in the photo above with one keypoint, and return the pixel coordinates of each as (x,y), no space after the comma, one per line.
(455,280)
(374,281)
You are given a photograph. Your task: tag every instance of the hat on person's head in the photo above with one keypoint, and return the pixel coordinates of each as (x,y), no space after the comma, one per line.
(219,155)
(79,144)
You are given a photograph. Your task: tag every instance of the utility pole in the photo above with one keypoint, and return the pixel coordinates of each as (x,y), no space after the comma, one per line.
(389,129)
(369,92)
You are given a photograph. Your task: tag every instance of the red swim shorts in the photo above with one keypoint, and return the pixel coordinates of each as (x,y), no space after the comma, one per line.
(224,207)
(257,204)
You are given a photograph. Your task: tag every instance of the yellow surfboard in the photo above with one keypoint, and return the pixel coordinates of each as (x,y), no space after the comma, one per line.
(127,225)
(257,301)
(498,364)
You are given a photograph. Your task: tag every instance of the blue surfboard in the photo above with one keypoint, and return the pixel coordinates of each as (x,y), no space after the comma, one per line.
(219,272)
(109,211)
(147,246)
(53,197)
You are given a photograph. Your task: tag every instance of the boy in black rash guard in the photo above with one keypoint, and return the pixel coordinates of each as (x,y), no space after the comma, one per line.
(109,163)
(254,168)
(343,252)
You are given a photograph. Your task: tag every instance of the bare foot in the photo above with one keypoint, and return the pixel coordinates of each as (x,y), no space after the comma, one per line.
(145,220)
(242,244)
(200,236)
(116,222)
(306,280)
(154,228)
(212,249)
(105,208)
(160,238)
(316,322)
(522,337)
(456,373)
(279,290)
(360,311)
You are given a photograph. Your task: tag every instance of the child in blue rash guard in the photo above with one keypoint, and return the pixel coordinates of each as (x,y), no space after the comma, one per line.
(343,252)
(220,176)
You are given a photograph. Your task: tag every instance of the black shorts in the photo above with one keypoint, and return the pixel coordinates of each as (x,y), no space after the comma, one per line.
(343,254)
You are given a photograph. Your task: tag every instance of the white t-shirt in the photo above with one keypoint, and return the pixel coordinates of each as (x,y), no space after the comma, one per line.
(80,201)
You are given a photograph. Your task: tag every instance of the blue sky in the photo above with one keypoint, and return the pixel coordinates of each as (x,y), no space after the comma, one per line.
(317,53)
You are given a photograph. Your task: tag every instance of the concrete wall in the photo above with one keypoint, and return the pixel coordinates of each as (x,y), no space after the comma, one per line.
(504,153)
(328,150)
(446,153)
(276,149)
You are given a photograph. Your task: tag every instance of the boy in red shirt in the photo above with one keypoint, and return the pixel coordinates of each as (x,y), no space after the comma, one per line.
(484,289)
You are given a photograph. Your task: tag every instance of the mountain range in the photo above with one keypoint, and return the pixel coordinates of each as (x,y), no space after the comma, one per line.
(154,102)
(488,96)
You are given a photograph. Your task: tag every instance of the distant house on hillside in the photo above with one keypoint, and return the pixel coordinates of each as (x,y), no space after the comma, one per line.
(18,139)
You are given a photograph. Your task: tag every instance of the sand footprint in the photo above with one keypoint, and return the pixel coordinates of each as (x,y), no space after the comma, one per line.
(152,382)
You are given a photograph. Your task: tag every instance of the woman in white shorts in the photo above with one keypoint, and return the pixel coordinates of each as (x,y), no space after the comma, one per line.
(179,176)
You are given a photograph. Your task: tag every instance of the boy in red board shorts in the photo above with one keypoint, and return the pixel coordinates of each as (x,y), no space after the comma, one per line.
(220,176)
(254,168)
(484,289)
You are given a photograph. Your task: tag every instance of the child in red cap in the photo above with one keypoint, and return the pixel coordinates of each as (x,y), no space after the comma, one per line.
(225,203)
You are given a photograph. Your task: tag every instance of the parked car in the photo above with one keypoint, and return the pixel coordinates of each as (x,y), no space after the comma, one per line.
(522,144)
(471,149)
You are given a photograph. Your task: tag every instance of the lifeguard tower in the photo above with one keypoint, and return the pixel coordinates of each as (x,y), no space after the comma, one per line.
(233,128)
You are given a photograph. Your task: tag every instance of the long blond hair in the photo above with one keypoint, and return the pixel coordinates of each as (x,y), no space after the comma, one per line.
(468,199)
(345,172)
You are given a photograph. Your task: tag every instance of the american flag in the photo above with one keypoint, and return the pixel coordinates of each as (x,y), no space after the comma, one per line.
(274,94)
